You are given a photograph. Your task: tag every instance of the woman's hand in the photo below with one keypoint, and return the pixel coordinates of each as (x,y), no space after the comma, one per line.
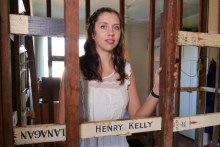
(157,78)
(157,81)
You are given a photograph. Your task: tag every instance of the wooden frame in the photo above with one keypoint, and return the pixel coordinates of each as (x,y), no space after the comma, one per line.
(72,88)
(55,132)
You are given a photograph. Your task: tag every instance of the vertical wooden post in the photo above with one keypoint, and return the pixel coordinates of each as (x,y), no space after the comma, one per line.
(33,75)
(150,135)
(167,51)
(151,43)
(1,69)
(6,126)
(71,16)
(201,97)
(217,83)
(122,11)
(178,59)
(87,10)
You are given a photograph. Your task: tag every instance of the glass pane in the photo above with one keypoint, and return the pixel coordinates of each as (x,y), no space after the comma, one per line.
(57,68)
(58,47)
(81,46)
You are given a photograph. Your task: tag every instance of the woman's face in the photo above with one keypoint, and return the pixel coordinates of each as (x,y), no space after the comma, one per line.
(107,32)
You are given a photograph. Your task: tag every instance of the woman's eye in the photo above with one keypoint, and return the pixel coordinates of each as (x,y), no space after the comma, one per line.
(117,27)
(103,26)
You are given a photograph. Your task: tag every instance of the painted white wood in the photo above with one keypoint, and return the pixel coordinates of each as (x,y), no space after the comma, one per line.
(18,24)
(198,39)
(55,132)
(123,127)
(39,133)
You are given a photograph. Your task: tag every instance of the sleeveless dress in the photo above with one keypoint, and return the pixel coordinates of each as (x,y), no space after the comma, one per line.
(106,100)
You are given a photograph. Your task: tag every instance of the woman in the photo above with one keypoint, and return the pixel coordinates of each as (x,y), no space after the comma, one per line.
(108,83)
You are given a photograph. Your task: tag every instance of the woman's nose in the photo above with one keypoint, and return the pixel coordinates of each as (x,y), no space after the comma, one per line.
(111,31)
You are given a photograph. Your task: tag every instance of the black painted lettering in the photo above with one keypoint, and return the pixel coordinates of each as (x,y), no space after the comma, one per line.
(50,133)
(104,129)
(63,132)
(137,125)
(24,135)
(31,134)
(37,134)
(120,126)
(131,126)
(109,128)
(98,128)
(57,132)
(150,123)
(115,128)
(44,133)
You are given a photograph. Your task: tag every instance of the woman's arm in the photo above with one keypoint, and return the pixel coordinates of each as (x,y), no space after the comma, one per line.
(135,109)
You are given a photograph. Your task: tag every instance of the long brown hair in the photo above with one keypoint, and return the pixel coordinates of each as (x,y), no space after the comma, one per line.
(90,62)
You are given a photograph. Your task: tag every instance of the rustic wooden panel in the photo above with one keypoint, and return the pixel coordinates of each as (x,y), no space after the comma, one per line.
(54,132)
(151,44)
(39,133)
(168,46)
(29,44)
(123,127)
(128,127)
(204,89)
(71,77)
(6,125)
(33,25)
(198,39)
(201,97)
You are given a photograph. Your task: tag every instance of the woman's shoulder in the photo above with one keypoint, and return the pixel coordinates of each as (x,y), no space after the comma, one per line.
(128,68)
(127,65)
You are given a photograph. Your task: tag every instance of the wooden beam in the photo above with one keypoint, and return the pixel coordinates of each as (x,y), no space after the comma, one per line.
(32,134)
(128,127)
(71,76)
(198,39)
(87,10)
(29,45)
(203,89)
(168,36)
(54,132)
(215,136)
(2,5)
(122,11)
(6,126)
(38,26)
(151,43)
(202,64)
(151,56)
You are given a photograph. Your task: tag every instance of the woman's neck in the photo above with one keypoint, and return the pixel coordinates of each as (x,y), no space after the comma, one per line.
(107,66)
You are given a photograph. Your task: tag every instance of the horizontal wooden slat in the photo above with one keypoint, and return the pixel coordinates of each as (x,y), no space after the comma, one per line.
(37,26)
(39,134)
(55,132)
(209,89)
(128,127)
(198,39)
(204,89)
(123,127)
(189,89)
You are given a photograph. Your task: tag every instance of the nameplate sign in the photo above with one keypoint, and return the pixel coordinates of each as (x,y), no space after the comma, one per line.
(39,133)
(123,127)
(55,132)
(128,127)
